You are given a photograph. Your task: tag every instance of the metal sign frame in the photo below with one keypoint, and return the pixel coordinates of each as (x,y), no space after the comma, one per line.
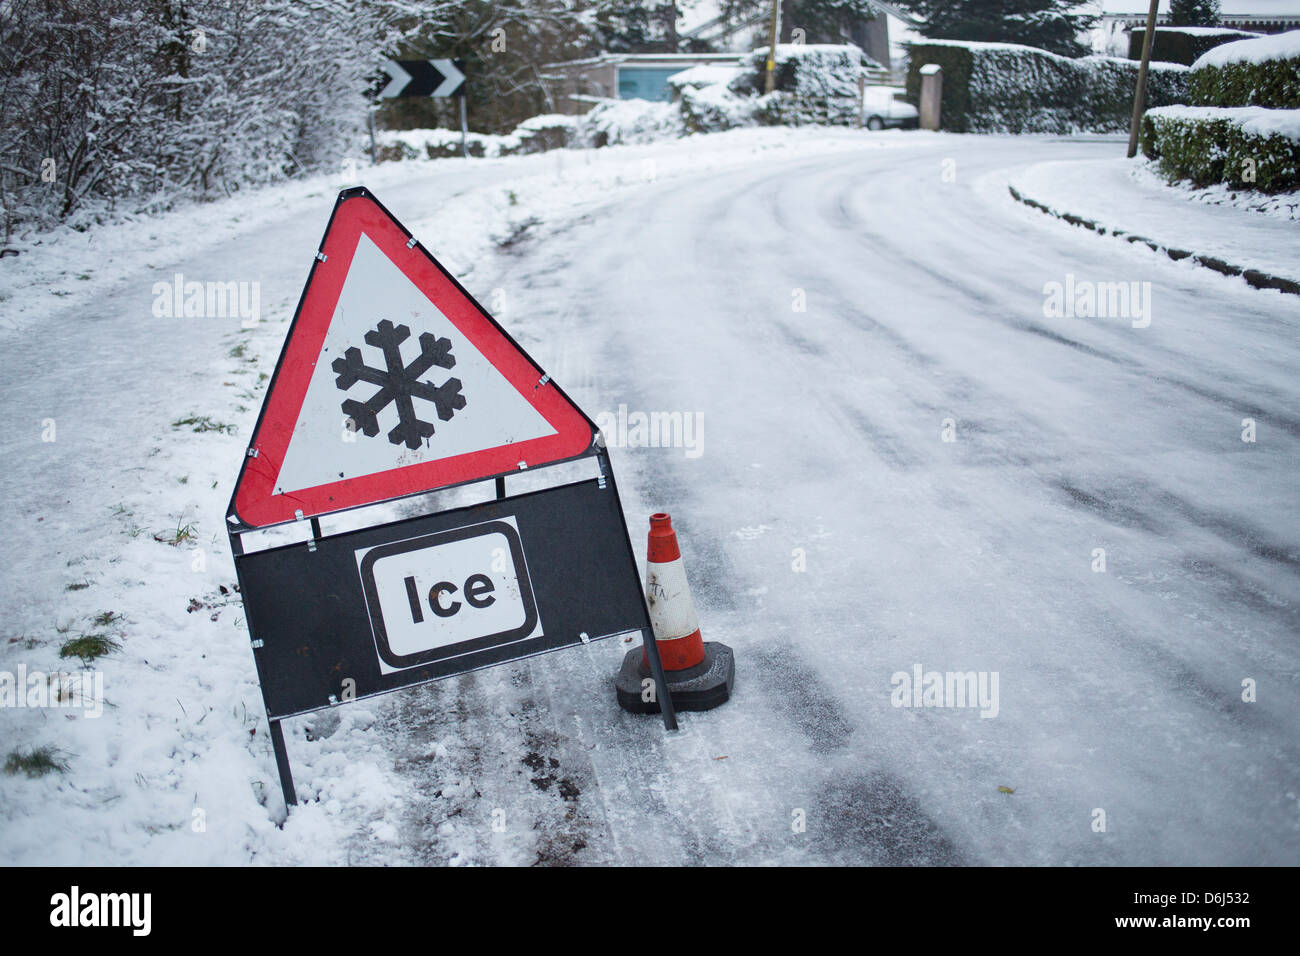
(469,662)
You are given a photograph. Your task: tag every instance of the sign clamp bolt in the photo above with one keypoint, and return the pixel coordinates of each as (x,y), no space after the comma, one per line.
(252,453)
(258,642)
(321,257)
(411,243)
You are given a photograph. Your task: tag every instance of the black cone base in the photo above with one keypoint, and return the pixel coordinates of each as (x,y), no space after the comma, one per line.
(702,687)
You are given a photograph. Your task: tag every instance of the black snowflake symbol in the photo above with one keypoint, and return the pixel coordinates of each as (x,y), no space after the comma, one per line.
(400,384)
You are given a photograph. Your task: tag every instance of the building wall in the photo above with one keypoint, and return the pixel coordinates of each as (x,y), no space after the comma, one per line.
(574,86)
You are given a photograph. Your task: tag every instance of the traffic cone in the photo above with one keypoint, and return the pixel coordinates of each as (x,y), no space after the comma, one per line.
(700,675)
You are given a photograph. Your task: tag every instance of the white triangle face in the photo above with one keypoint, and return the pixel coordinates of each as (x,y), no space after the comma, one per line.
(324,450)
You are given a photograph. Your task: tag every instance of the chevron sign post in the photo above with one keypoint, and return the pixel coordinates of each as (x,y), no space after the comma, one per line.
(433,78)
(423,78)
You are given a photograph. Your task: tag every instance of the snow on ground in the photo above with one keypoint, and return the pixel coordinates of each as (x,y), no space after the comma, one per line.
(1124,194)
(833,304)
(1284,206)
(117,516)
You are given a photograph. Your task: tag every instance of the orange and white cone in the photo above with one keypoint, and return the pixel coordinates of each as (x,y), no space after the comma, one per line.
(700,676)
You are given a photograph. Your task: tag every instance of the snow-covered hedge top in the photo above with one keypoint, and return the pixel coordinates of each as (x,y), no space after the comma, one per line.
(978,45)
(1203,31)
(981,45)
(545,121)
(813,51)
(1279,46)
(1255,120)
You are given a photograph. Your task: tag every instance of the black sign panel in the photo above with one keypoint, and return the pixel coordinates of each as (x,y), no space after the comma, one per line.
(374,610)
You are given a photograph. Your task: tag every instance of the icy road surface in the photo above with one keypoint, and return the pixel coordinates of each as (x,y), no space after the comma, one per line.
(904,462)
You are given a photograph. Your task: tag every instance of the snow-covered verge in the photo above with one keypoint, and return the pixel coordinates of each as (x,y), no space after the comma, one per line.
(119,514)
(406,144)
(608,123)
(1130,199)
(1245,147)
(1009,88)
(537,134)
(1285,206)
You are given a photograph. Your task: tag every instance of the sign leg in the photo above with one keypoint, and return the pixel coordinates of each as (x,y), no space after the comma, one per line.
(282,765)
(662,694)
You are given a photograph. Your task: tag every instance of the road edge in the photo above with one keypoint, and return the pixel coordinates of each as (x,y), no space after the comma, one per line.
(1257,278)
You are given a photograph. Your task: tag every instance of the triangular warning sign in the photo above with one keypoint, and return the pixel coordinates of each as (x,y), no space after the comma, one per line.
(393,381)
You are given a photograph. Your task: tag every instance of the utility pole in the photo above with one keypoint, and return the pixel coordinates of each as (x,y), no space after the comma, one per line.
(770,83)
(1139,95)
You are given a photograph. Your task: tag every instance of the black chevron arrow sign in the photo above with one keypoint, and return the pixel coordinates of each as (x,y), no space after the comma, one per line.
(423,78)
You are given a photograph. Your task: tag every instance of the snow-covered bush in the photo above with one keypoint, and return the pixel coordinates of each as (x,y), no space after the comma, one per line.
(815,83)
(614,122)
(714,109)
(406,144)
(1007,88)
(1246,147)
(537,134)
(1264,71)
(113,106)
(1183,44)
(698,77)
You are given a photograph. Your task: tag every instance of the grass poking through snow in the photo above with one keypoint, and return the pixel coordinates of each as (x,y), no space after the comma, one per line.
(88,647)
(35,762)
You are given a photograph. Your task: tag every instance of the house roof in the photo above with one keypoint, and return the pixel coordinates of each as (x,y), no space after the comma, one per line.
(650,59)
(1231,12)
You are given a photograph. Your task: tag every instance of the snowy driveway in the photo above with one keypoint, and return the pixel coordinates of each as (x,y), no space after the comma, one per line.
(903,463)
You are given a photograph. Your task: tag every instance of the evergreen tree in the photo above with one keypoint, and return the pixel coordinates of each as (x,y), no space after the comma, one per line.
(1194,13)
(1049,24)
(624,26)
(822,21)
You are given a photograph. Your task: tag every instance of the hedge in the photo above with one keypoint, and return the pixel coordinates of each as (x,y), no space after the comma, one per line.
(1272,83)
(1275,84)
(815,84)
(1008,88)
(1220,145)
(1182,45)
